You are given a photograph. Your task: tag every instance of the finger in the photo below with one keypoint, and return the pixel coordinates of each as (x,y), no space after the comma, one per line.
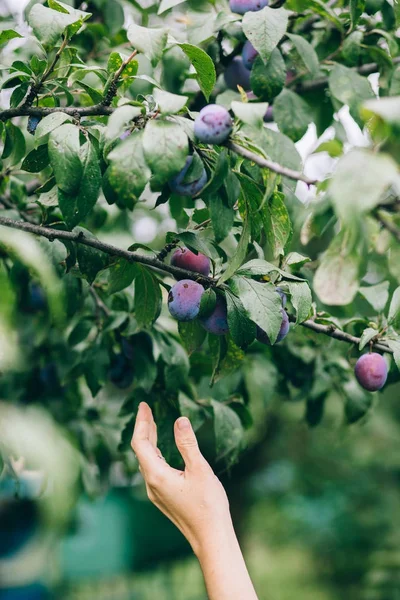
(186,442)
(153,434)
(141,439)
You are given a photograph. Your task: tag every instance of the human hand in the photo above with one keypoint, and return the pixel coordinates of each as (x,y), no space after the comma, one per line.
(193,499)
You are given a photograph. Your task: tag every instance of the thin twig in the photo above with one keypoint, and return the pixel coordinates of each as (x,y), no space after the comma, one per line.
(269,164)
(99,302)
(112,90)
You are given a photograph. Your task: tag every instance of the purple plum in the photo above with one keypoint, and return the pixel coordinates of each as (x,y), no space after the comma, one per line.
(184,300)
(371,371)
(186,259)
(282,295)
(243,6)
(217,322)
(249,55)
(237,74)
(213,125)
(33,122)
(284,330)
(181,187)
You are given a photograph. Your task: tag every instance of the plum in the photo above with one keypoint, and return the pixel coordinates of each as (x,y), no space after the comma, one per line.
(243,6)
(213,125)
(282,295)
(121,371)
(180,186)
(371,371)
(33,122)
(184,300)
(186,259)
(249,55)
(217,322)
(37,299)
(284,330)
(237,74)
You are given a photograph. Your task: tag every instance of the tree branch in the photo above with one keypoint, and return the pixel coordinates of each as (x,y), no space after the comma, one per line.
(98,110)
(269,164)
(80,238)
(387,224)
(154,263)
(342,336)
(112,90)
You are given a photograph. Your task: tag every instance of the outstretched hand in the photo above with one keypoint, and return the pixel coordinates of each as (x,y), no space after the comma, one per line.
(193,499)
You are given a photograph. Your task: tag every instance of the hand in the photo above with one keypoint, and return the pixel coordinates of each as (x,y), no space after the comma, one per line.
(193,499)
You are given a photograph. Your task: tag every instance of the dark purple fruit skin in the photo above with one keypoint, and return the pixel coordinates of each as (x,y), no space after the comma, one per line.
(243,6)
(284,330)
(33,122)
(282,295)
(269,117)
(37,299)
(191,189)
(186,259)
(184,300)
(237,74)
(371,371)
(213,125)
(121,372)
(217,322)
(249,55)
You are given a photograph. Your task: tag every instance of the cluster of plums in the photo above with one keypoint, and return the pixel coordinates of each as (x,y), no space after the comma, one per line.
(184,299)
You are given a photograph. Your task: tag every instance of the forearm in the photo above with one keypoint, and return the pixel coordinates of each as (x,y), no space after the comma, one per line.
(225,572)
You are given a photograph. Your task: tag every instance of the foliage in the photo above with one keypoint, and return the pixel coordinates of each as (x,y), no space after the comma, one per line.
(102,104)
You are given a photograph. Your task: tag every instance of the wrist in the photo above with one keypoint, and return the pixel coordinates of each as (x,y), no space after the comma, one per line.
(215,538)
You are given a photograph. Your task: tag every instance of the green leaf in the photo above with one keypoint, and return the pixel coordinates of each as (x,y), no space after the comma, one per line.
(356,9)
(48,124)
(36,160)
(350,88)
(265,28)
(167,4)
(48,25)
(228,431)
(394,310)
(8,34)
(120,118)
(240,253)
(277,225)
(292,114)
(204,67)
(376,295)
(262,303)
(363,176)
(250,113)
(90,260)
(337,278)
(77,206)
(169,104)
(150,42)
(207,303)
(121,275)
(367,335)
(192,335)
(259,267)
(165,147)
(395,346)
(222,216)
(300,296)
(267,80)
(387,109)
(358,402)
(306,53)
(147,297)
(128,173)
(64,153)
(333,147)
(241,328)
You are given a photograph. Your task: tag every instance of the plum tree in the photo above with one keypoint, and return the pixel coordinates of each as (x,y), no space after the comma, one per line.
(249,55)
(284,330)
(213,125)
(371,371)
(243,6)
(236,73)
(186,259)
(217,321)
(184,300)
(183,185)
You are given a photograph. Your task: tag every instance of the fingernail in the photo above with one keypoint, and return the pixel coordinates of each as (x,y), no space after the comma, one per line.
(183,423)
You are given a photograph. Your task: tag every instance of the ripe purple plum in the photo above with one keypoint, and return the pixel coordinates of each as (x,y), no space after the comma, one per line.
(249,55)
(243,6)
(237,74)
(186,259)
(282,295)
(217,322)
(213,125)
(371,371)
(33,122)
(184,300)
(181,187)
(284,330)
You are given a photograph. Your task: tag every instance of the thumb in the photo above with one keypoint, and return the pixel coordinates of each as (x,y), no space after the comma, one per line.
(186,442)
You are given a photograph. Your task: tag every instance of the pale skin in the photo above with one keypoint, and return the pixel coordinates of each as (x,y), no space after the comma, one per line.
(195,501)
